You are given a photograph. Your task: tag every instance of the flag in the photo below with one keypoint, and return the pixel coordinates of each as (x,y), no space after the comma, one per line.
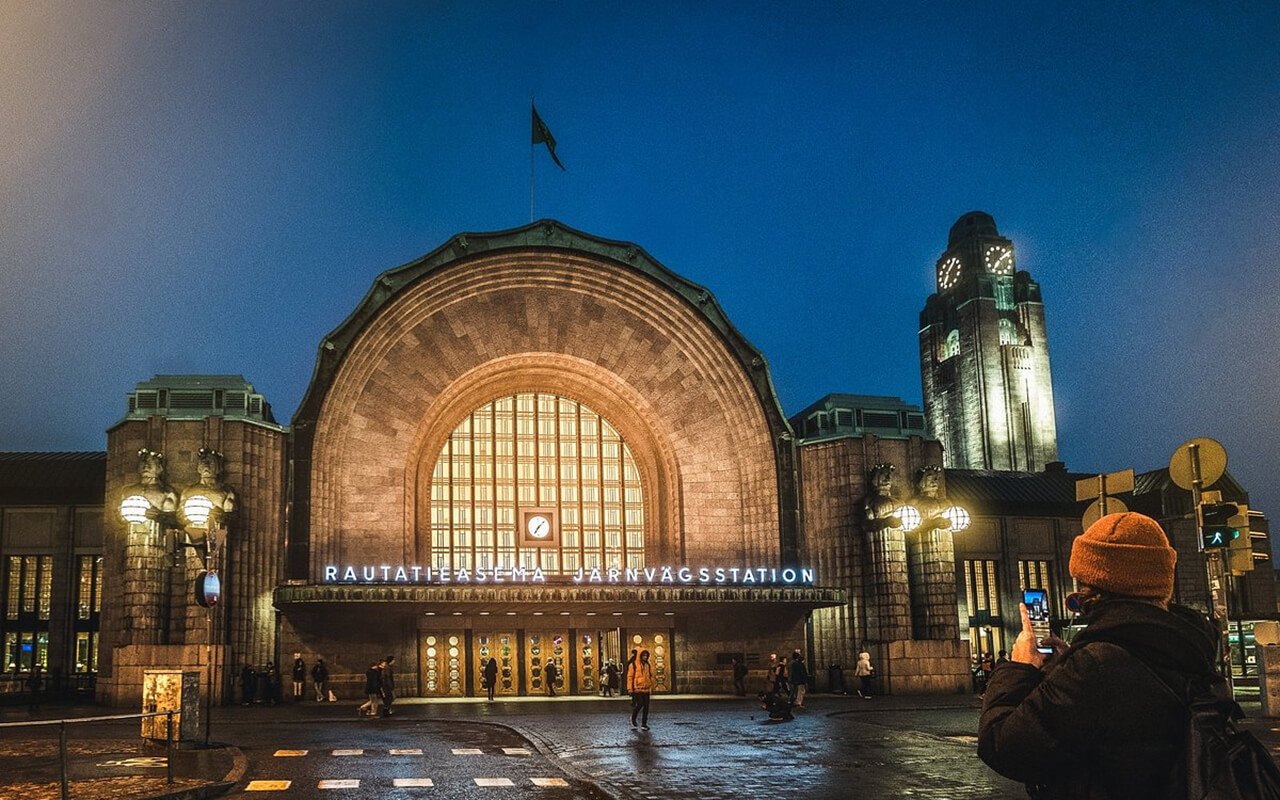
(541,133)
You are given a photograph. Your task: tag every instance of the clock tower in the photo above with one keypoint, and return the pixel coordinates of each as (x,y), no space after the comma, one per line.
(984,357)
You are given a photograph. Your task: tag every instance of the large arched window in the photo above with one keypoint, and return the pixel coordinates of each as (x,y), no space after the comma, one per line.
(536,451)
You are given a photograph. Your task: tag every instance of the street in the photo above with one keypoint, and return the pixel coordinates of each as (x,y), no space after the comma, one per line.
(696,748)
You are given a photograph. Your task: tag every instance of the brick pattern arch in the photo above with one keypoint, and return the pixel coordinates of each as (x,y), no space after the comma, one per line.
(562,322)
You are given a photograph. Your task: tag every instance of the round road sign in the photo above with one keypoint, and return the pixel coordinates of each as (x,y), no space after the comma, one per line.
(1212,462)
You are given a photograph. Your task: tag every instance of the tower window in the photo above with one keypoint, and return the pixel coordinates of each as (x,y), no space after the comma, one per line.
(950,345)
(1008,332)
(1004,294)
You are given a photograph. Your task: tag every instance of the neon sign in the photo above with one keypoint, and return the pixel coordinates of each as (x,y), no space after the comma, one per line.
(638,576)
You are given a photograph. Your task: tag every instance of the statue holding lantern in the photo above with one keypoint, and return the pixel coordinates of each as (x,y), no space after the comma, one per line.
(204,502)
(150,497)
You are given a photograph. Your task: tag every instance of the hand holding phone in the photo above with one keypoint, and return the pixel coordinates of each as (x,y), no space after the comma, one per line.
(1037,605)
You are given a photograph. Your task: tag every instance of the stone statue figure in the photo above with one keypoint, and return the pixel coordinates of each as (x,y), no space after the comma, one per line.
(151,485)
(929,499)
(209,468)
(880,507)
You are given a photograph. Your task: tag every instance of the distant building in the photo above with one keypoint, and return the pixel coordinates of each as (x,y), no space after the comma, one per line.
(51,548)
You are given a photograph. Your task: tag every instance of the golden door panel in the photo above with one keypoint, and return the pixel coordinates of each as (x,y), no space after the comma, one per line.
(588,663)
(441,657)
(658,643)
(500,646)
(540,648)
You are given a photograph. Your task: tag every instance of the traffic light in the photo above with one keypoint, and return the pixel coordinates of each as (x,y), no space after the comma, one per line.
(1240,551)
(1216,524)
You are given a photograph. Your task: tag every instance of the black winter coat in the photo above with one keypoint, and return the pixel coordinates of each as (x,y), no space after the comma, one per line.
(1095,724)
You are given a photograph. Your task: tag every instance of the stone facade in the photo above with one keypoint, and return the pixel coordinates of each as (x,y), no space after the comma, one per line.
(901,586)
(154,620)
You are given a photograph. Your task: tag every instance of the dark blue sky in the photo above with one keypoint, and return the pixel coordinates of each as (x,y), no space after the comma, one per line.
(211,187)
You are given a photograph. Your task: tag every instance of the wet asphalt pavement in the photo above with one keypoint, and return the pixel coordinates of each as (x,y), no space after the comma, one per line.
(698,747)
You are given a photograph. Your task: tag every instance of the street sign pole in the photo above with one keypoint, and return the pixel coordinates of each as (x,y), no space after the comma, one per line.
(1196,465)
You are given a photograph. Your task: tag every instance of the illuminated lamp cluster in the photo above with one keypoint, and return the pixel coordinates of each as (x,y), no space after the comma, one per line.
(197,509)
(134,509)
(911,517)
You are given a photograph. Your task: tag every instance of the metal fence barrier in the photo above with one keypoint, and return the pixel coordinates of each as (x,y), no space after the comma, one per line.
(63,759)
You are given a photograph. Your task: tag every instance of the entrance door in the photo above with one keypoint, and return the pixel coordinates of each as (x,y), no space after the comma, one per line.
(541,648)
(501,646)
(440,655)
(658,643)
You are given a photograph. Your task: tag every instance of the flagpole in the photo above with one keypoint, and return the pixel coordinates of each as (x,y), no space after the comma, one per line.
(531,107)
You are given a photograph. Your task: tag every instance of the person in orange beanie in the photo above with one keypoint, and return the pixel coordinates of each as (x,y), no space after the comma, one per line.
(1092,720)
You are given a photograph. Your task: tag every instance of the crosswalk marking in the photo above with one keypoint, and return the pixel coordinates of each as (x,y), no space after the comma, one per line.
(549,782)
(516,751)
(412,783)
(338,785)
(467,751)
(348,752)
(416,751)
(493,782)
(267,786)
(288,753)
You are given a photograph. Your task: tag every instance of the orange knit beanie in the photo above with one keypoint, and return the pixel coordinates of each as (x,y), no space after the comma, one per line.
(1126,554)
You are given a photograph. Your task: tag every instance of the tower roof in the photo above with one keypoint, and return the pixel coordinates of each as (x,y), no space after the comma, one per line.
(973,224)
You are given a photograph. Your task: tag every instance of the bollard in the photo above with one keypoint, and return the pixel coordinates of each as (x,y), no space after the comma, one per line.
(168,746)
(62,756)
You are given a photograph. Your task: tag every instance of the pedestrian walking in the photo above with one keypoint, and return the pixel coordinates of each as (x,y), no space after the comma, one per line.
(640,686)
(610,679)
(865,672)
(781,684)
(388,685)
(491,675)
(799,678)
(248,689)
(35,689)
(299,677)
(551,671)
(739,677)
(320,679)
(1103,718)
(271,679)
(372,690)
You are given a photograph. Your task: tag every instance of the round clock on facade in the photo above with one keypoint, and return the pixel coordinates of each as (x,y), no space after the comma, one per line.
(999,259)
(949,273)
(539,527)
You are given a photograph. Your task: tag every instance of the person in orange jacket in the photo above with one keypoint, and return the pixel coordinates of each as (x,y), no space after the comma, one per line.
(640,686)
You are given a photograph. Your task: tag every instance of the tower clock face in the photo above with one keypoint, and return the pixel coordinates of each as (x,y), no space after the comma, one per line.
(999,259)
(949,273)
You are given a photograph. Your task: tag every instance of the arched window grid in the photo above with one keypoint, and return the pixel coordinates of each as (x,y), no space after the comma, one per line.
(536,451)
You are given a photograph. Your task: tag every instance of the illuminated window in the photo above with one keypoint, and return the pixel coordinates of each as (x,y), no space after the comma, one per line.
(535,451)
(982,612)
(28,595)
(88,607)
(1008,332)
(950,346)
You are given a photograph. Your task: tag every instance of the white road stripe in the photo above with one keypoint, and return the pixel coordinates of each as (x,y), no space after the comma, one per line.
(494,782)
(516,751)
(467,751)
(338,785)
(417,751)
(412,783)
(549,782)
(348,752)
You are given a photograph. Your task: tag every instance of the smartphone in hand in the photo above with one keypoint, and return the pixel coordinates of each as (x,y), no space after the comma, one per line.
(1037,603)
